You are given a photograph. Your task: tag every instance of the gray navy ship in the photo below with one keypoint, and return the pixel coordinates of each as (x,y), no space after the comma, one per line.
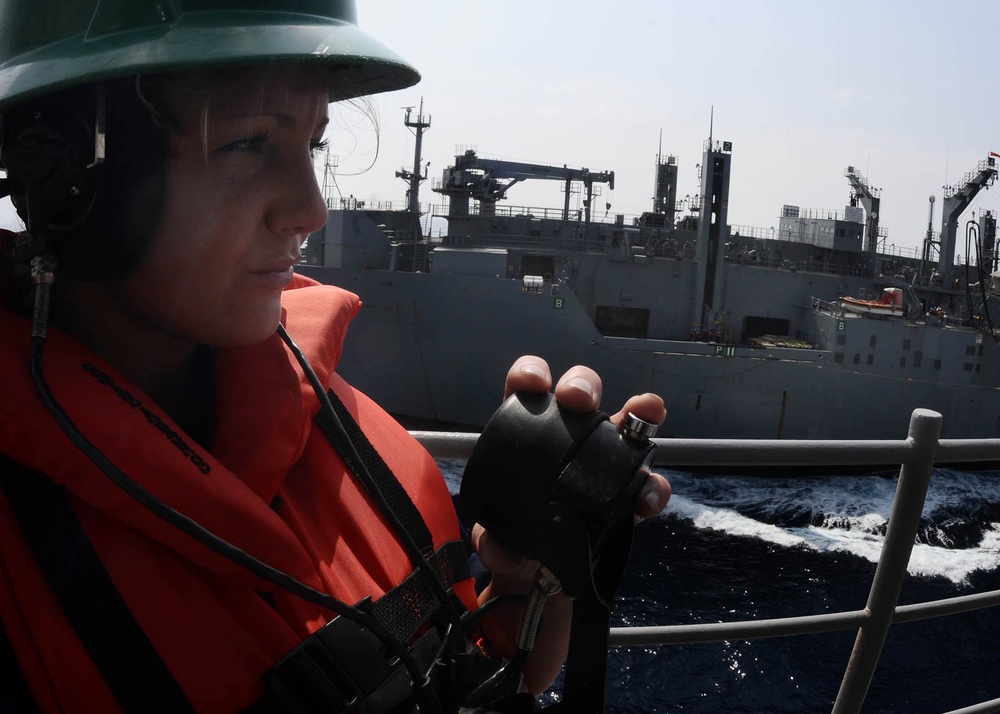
(804,331)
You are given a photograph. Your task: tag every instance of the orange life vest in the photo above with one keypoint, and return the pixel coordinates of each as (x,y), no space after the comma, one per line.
(272,485)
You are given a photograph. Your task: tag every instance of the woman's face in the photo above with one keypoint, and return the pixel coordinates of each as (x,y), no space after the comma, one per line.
(241,196)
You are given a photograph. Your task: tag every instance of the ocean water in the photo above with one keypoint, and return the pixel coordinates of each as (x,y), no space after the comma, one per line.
(730,548)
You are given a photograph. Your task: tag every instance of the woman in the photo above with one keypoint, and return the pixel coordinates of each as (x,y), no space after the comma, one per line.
(191,493)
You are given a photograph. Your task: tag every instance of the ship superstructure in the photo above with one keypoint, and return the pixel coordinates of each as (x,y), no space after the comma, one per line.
(741,330)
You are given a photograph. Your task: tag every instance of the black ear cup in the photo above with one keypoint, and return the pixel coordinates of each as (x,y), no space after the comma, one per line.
(95,216)
(54,190)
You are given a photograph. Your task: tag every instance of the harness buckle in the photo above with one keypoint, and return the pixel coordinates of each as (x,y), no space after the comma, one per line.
(332,670)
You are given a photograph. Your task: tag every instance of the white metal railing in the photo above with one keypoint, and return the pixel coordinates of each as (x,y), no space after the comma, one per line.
(916,456)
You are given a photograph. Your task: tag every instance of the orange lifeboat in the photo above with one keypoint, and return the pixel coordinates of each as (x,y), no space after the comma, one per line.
(890,302)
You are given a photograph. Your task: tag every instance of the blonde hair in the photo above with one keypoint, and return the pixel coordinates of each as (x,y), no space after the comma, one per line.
(165,94)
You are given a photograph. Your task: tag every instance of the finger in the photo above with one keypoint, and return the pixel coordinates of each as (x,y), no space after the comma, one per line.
(579,389)
(528,374)
(652,497)
(648,407)
(493,554)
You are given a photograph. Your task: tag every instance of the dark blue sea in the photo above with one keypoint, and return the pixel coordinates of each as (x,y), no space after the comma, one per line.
(737,547)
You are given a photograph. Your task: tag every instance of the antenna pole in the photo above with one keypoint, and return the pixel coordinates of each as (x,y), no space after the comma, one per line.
(420,124)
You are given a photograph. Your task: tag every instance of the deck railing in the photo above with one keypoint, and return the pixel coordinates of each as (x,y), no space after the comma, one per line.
(916,455)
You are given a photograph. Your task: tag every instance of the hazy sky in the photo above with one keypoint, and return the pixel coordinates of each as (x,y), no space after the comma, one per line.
(905,91)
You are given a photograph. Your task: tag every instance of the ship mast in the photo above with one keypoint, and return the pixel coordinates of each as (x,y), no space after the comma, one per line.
(713,227)
(665,188)
(420,124)
(929,242)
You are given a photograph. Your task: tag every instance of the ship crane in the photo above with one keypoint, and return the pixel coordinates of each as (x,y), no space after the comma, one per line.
(488,180)
(956,199)
(870,199)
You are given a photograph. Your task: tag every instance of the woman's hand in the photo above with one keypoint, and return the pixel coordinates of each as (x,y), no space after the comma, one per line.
(579,389)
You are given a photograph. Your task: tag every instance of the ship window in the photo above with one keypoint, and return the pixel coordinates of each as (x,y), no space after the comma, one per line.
(841,339)
(838,357)
(906,344)
(918,357)
(970,350)
(937,364)
(871,341)
(967,367)
(857,358)
(840,232)
(617,321)
(902,361)
(979,352)
(871,359)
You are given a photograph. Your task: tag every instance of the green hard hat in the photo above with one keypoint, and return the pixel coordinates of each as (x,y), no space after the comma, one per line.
(49,44)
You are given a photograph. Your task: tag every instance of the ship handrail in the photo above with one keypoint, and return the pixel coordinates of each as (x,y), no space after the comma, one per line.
(579,241)
(916,457)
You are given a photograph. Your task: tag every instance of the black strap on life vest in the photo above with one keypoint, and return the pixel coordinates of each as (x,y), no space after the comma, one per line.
(129,663)
(382,479)
(374,474)
(114,639)
(407,607)
(343,667)
(371,471)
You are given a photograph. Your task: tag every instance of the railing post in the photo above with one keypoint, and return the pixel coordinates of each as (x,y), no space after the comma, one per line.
(904,519)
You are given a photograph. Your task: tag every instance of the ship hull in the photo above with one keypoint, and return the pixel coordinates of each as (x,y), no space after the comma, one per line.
(434,350)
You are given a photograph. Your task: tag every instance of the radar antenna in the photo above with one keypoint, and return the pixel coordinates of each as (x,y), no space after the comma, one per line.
(330,164)
(414,178)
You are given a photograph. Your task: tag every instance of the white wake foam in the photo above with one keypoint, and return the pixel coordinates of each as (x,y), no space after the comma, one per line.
(853,513)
